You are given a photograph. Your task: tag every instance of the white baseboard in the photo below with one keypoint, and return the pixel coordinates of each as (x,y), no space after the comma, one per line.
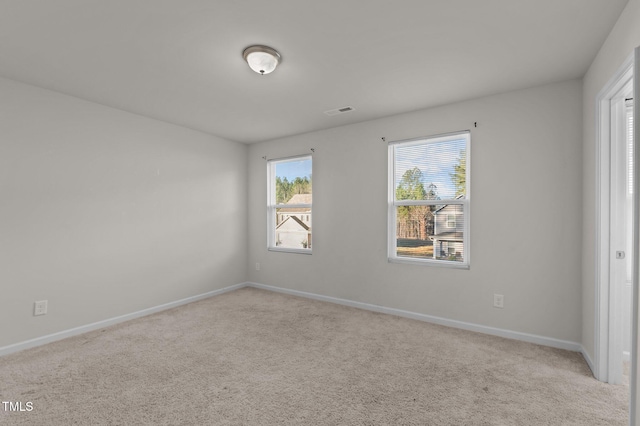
(531,338)
(5,350)
(587,358)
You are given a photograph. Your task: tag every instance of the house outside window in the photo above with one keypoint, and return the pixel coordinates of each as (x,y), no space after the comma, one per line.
(289,206)
(429,200)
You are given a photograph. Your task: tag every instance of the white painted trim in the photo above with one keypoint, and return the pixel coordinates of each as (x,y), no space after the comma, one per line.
(437,263)
(290,250)
(602,219)
(38,341)
(531,338)
(634,403)
(509,334)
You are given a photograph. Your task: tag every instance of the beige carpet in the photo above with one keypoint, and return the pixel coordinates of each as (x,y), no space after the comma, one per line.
(253,357)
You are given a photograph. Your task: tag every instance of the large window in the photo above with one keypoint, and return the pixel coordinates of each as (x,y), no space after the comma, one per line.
(289,204)
(429,200)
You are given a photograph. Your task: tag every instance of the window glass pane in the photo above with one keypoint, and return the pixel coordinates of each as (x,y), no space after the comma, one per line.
(448,232)
(431,171)
(414,224)
(293,227)
(293,181)
(430,232)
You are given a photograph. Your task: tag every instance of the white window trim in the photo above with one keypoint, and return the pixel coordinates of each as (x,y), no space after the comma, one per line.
(392,203)
(272,207)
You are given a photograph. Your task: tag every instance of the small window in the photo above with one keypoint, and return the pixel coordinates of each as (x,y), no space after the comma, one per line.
(429,200)
(289,204)
(451,221)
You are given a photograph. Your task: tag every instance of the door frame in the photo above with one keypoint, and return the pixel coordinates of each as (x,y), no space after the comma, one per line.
(606,336)
(634,419)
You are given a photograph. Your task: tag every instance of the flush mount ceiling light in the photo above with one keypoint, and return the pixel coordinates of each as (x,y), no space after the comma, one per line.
(262,59)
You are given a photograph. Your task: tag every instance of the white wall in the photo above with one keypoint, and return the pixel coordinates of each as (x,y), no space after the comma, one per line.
(620,43)
(525,214)
(105,213)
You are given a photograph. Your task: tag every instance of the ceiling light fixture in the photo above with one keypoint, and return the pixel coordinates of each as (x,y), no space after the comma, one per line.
(262,59)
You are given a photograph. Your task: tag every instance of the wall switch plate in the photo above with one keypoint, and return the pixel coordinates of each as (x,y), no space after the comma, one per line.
(257,266)
(498,301)
(40,307)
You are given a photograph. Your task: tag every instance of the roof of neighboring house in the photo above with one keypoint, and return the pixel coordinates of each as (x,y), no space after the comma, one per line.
(447,236)
(298,221)
(298,199)
(446,205)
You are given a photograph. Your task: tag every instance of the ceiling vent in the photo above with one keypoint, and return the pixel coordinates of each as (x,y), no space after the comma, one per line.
(339,110)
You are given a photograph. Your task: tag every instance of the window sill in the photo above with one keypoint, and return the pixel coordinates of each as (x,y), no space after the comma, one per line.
(290,250)
(427,262)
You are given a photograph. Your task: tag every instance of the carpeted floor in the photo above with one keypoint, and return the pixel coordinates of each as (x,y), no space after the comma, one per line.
(253,357)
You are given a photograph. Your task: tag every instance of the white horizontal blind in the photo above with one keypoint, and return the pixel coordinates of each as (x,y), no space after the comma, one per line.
(629,122)
(630,171)
(429,200)
(289,209)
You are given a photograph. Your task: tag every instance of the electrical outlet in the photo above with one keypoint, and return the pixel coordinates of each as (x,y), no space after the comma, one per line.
(257,266)
(40,307)
(498,301)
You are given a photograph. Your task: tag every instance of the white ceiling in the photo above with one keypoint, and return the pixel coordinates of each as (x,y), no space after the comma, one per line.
(181,60)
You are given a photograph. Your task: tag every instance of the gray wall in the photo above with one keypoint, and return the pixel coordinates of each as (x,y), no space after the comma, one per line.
(526,160)
(105,213)
(624,37)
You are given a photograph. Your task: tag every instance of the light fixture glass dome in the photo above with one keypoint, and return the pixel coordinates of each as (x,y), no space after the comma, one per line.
(262,59)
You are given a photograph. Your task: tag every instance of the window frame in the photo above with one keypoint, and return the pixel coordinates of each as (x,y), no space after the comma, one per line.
(393,204)
(451,219)
(272,207)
